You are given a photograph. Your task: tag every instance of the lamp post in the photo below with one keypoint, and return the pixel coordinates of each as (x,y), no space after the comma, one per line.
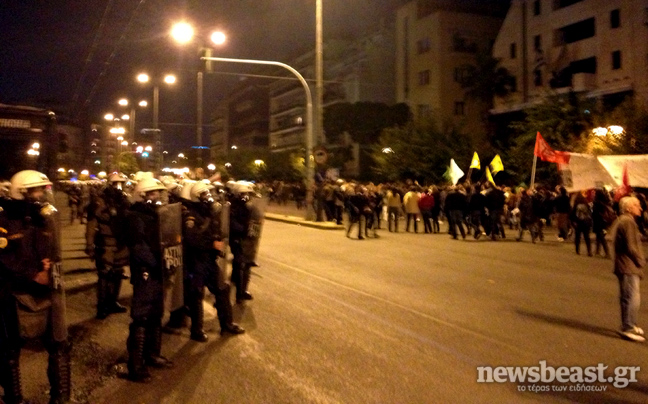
(319,73)
(310,169)
(168,79)
(183,33)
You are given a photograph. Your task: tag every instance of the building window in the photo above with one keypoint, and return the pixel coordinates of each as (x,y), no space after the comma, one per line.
(537,77)
(615,18)
(460,74)
(424,78)
(536,7)
(513,51)
(422,45)
(460,107)
(564,3)
(575,32)
(616,60)
(537,43)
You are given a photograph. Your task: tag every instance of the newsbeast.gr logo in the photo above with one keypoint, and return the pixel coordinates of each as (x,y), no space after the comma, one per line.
(580,378)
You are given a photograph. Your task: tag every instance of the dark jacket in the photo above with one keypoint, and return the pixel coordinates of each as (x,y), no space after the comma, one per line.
(143,241)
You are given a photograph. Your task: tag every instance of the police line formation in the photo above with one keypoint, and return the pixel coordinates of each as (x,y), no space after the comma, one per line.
(171,235)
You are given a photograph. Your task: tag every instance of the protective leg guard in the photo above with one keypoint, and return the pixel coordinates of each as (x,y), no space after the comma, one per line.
(10,379)
(197,317)
(59,374)
(137,370)
(241,290)
(116,277)
(153,348)
(102,296)
(224,310)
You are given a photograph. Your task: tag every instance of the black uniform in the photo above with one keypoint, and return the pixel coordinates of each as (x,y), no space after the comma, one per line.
(201,228)
(147,305)
(105,242)
(240,219)
(25,241)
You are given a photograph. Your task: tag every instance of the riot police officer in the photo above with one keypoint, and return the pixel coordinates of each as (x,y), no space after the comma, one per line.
(30,283)
(147,277)
(202,246)
(245,232)
(106,245)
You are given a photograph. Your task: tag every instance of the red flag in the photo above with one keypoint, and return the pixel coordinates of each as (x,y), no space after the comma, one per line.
(546,153)
(625,187)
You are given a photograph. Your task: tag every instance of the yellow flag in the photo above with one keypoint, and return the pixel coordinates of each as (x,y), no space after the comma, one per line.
(496,164)
(489,177)
(475,162)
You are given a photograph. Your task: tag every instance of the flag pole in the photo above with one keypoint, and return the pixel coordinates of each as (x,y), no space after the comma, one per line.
(533,170)
(469,175)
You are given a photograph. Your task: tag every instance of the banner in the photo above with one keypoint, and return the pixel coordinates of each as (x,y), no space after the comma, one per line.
(475,162)
(496,165)
(585,171)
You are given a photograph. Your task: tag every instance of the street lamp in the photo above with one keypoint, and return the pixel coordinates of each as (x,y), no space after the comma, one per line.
(123,102)
(183,34)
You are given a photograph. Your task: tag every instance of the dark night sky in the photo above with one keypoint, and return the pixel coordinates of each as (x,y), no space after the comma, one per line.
(45,45)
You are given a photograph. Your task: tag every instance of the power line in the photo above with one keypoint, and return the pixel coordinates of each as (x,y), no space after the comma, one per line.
(93,49)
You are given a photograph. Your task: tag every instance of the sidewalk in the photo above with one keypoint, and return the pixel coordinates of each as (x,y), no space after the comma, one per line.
(290,214)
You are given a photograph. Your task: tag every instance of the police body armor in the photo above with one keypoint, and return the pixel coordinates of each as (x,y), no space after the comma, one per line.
(170,225)
(39,312)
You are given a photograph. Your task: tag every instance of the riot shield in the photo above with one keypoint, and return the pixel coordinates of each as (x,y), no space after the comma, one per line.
(57,317)
(250,243)
(170,217)
(220,213)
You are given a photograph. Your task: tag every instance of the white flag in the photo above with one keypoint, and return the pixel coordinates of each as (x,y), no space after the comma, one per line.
(455,172)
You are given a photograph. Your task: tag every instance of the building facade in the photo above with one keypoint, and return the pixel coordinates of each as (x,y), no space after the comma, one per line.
(435,42)
(595,47)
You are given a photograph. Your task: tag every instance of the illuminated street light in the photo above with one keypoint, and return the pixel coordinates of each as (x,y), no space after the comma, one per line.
(124,143)
(218,38)
(148,148)
(615,129)
(120,138)
(85,172)
(109,117)
(117,131)
(143,78)
(61,170)
(125,117)
(387,150)
(70,170)
(169,79)
(143,103)
(181,155)
(211,167)
(165,152)
(234,147)
(228,165)
(97,162)
(258,163)
(139,149)
(36,146)
(123,102)
(182,32)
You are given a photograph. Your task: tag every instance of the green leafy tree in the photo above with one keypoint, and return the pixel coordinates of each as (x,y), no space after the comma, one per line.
(486,79)
(420,151)
(127,163)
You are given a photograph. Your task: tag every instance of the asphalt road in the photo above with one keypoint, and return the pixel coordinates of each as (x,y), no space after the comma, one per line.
(405,318)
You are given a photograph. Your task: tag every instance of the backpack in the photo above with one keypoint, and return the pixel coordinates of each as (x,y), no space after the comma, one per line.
(583,212)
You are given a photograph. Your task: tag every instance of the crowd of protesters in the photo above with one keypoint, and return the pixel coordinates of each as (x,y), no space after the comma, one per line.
(470,210)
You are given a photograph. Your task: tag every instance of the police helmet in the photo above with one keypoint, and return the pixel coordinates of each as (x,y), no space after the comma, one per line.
(198,189)
(148,185)
(25,180)
(117,177)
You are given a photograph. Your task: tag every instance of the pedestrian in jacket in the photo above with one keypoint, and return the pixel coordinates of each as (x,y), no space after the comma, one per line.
(629,261)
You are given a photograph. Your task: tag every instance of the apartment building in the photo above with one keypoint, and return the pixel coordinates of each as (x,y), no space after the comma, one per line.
(435,41)
(595,47)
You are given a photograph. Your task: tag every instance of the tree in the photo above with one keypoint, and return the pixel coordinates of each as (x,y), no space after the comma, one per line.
(420,151)
(127,163)
(486,79)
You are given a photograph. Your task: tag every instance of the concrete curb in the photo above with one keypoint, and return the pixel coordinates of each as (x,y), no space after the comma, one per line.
(303,222)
